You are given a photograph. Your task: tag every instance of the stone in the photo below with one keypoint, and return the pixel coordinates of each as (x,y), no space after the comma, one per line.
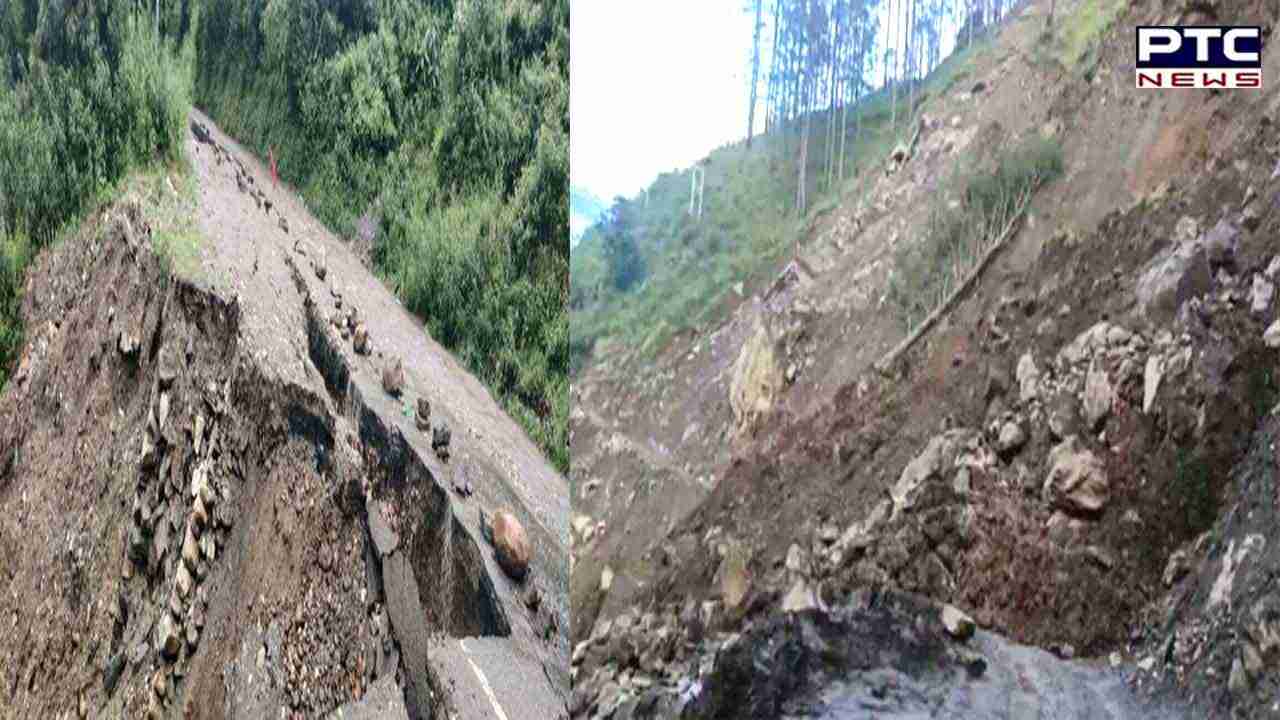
(1077,480)
(1098,396)
(1028,378)
(163,414)
(1271,337)
(1012,437)
(441,436)
(128,344)
(208,547)
(735,577)
(360,339)
(111,673)
(511,544)
(423,415)
(190,548)
(958,625)
(800,598)
(318,264)
(1177,566)
(1064,416)
(1221,244)
(1151,378)
(1238,682)
(606,580)
(936,461)
(1253,663)
(1264,291)
(1171,279)
(184,581)
(284,225)
(393,378)
(757,379)
(197,434)
(167,637)
(1273,268)
(199,513)
(384,538)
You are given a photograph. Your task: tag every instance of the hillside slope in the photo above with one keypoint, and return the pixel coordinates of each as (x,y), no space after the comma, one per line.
(212,507)
(1065,457)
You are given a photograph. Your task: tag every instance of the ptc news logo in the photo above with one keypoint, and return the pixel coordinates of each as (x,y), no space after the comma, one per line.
(1199,57)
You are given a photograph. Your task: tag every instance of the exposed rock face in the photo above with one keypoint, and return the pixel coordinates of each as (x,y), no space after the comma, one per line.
(511,544)
(1028,378)
(958,625)
(1098,396)
(360,339)
(1077,481)
(757,379)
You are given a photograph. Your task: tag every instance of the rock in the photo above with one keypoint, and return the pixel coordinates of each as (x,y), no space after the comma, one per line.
(393,378)
(1272,335)
(799,598)
(1077,480)
(1221,243)
(163,414)
(1263,293)
(184,581)
(1147,663)
(422,416)
(128,344)
(1253,663)
(1012,437)
(1171,279)
(1064,416)
(936,461)
(190,548)
(1176,567)
(1273,268)
(1028,378)
(167,637)
(606,580)
(580,524)
(197,434)
(757,379)
(1151,378)
(284,224)
(318,264)
(735,578)
(957,624)
(441,436)
(360,339)
(511,544)
(1098,396)
(462,482)
(111,673)
(384,538)
(1238,682)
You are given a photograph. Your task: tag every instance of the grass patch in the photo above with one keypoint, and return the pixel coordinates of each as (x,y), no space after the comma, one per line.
(1077,34)
(964,221)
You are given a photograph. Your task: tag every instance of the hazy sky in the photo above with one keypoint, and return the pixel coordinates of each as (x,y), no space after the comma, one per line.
(654,86)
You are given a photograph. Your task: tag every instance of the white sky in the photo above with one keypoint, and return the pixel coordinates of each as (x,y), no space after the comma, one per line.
(653,86)
(656,85)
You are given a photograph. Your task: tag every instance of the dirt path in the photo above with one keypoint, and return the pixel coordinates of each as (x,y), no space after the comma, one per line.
(275,276)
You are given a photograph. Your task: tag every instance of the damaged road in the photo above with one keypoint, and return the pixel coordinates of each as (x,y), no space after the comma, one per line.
(224,512)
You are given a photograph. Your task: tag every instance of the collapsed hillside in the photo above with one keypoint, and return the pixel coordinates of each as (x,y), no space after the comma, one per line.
(214,506)
(1079,457)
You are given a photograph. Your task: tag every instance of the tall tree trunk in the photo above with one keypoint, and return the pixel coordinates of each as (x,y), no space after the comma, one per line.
(755,72)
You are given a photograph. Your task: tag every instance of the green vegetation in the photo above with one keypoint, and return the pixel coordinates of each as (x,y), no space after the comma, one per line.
(960,231)
(748,226)
(448,122)
(1076,35)
(88,91)
(1193,490)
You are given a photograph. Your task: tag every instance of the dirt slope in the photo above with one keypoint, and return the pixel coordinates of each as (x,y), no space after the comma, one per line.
(1052,459)
(213,509)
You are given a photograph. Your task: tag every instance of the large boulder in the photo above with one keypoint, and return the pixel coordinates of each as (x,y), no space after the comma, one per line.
(1171,279)
(511,544)
(393,378)
(1077,480)
(934,464)
(757,379)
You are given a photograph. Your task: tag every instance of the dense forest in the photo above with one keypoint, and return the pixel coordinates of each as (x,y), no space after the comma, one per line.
(448,123)
(445,124)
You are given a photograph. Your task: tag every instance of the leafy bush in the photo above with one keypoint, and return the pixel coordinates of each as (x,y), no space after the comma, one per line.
(956,237)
